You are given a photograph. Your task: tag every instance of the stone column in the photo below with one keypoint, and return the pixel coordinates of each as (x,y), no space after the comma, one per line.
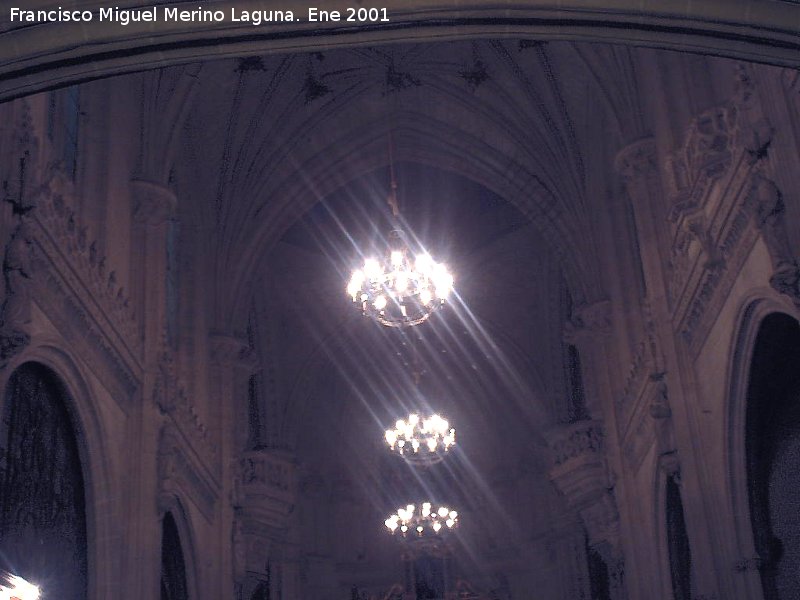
(230,367)
(154,205)
(669,358)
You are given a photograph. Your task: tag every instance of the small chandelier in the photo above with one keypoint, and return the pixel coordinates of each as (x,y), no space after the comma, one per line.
(422,522)
(422,441)
(406,287)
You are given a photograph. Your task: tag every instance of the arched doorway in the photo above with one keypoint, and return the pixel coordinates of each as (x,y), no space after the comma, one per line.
(173,566)
(773,448)
(42,507)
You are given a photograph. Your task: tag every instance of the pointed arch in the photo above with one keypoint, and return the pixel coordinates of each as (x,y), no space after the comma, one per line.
(43,524)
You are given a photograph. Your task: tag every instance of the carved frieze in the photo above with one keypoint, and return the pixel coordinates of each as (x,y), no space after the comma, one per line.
(706,154)
(707,179)
(717,188)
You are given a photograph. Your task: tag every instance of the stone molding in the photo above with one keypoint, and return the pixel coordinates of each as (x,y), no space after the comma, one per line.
(170,395)
(182,474)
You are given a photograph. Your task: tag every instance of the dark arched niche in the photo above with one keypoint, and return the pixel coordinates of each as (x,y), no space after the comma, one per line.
(42,507)
(773,453)
(173,566)
(680,554)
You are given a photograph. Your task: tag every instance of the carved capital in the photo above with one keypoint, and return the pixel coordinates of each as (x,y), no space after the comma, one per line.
(636,161)
(155,203)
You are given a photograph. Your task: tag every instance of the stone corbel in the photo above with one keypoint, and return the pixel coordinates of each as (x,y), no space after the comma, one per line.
(581,474)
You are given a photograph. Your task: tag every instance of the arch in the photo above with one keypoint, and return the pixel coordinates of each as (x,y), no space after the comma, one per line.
(43,523)
(95,458)
(754,309)
(173,514)
(772,440)
(58,53)
(173,582)
(358,154)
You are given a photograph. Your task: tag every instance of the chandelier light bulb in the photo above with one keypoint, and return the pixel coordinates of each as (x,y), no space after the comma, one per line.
(427,521)
(401,291)
(422,440)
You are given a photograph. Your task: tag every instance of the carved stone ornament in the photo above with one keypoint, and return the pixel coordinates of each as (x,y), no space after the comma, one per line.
(267,491)
(786,280)
(637,161)
(589,320)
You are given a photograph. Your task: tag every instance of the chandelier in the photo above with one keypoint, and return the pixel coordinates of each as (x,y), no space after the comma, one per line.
(421,440)
(406,287)
(21,589)
(424,522)
(402,290)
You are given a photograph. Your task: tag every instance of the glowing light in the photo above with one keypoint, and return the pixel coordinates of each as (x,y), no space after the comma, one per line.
(425,523)
(423,440)
(20,589)
(402,290)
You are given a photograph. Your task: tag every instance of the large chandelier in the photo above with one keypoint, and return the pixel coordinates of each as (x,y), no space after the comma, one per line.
(405,288)
(402,290)
(421,440)
(19,590)
(423,522)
